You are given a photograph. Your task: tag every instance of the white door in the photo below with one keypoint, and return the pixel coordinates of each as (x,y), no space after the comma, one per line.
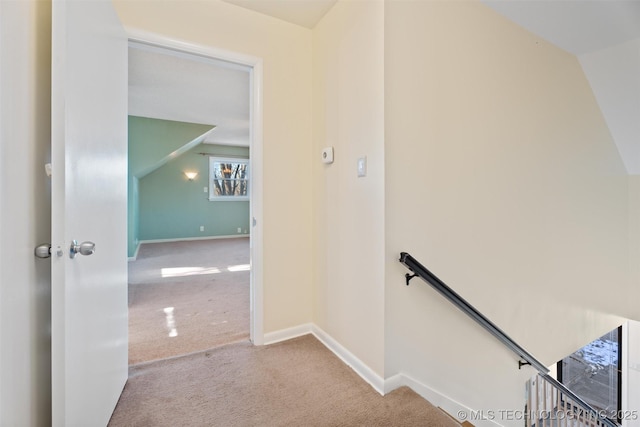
(89,203)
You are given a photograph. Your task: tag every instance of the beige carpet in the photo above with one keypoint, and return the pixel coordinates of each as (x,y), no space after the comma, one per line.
(187,296)
(293,383)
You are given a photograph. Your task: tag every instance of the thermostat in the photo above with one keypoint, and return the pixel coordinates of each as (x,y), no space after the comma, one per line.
(327,155)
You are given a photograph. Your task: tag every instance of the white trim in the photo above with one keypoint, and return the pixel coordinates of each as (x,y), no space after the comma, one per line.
(183,48)
(182,239)
(287,334)
(365,372)
(452,407)
(135,253)
(188,239)
(380,385)
(393,383)
(334,346)
(213,159)
(256,206)
(232,59)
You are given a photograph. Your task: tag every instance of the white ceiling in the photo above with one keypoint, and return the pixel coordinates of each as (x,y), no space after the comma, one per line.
(306,13)
(604,34)
(173,86)
(577,26)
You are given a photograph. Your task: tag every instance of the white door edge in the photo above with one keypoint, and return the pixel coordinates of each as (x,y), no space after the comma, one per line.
(88,202)
(137,36)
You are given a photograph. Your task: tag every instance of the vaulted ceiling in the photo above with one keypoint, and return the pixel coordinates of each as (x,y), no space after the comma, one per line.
(172,86)
(306,13)
(603,34)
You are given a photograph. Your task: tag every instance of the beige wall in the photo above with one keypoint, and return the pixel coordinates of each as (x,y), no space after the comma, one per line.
(488,160)
(286,52)
(25,194)
(502,178)
(348,108)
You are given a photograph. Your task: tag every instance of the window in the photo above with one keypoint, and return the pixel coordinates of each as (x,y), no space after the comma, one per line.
(228,179)
(594,373)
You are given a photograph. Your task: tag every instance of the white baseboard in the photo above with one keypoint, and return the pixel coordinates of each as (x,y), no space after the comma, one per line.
(360,368)
(183,239)
(454,408)
(135,254)
(382,386)
(393,383)
(188,239)
(287,334)
(336,348)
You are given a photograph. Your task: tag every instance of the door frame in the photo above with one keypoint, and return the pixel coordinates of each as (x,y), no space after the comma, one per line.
(256,327)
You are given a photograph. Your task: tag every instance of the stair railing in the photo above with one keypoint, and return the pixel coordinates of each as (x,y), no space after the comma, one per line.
(526,358)
(551,404)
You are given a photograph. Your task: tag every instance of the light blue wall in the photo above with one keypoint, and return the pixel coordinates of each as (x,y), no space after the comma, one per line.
(152,143)
(173,207)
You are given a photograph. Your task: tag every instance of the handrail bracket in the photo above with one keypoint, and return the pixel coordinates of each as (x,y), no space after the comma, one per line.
(408,277)
(525,357)
(522,363)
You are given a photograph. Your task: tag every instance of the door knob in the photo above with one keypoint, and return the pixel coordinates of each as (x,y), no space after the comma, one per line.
(84,248)
(43,250)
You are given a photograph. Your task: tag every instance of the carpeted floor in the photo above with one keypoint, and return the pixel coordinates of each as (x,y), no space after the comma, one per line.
(294,383)
(187,296)
(189,306)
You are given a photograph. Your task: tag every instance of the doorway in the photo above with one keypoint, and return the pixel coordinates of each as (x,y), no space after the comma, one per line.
(230,135)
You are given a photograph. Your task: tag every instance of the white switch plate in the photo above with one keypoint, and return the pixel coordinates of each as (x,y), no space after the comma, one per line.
(202,228)
(206,189)
(327,155)
(362,166)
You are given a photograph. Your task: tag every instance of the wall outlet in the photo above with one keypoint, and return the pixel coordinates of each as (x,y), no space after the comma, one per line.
(239,230)
(202,228)
(206,189)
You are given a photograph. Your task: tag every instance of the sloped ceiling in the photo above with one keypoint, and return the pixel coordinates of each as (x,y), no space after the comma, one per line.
(172,86)
(577,26)
(153,142)
(306,13)
(605,36)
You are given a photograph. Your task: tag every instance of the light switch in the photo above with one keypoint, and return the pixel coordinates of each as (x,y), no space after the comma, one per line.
(362,166)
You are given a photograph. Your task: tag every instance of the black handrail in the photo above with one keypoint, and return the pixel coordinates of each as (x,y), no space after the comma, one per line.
(421,271)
